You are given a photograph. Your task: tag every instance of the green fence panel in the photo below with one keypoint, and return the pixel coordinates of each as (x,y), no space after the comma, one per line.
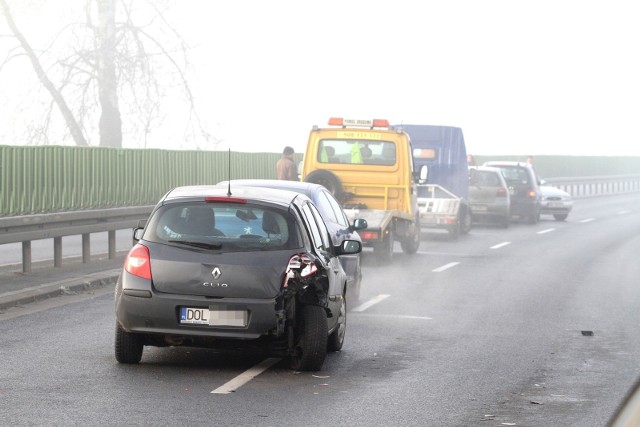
(55,178)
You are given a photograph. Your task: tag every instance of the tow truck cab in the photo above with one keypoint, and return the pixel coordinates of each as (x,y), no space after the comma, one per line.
(369,168)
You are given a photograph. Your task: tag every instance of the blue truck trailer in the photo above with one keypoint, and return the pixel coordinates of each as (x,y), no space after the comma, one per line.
(443,193)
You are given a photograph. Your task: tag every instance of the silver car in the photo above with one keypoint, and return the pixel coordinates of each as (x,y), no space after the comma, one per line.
(212,269)
(555,202)
(489,195)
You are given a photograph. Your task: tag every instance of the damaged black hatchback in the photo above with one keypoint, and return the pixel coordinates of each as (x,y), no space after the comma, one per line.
(211,268)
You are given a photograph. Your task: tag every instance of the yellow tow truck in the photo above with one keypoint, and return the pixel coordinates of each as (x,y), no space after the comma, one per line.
(369,168)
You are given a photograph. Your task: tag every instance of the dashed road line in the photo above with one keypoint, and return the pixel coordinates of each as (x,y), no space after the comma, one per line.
(500,245)
(372,301)
(623,212)
(548,230)
(584,221)
(396,316)
(445,267)
(246,376)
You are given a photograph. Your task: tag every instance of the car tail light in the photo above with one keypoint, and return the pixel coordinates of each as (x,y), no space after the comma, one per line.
(138,262)
(302,264)
(369,235)
(531,194)
(501,192)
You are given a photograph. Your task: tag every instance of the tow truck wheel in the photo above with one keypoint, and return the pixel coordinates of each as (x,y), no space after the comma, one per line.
(411,243)
(384,250)
(327,179)
(466,221)
(311,339)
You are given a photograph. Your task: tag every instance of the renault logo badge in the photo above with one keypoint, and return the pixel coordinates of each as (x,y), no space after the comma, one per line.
(216,273)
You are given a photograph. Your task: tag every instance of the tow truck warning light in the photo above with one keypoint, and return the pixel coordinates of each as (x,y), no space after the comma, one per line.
(363,123)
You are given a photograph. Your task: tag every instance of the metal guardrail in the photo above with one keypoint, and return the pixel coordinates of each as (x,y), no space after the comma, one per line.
(54,226)
(597,185)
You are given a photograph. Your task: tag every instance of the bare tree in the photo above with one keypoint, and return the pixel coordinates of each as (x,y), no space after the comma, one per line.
(118,57)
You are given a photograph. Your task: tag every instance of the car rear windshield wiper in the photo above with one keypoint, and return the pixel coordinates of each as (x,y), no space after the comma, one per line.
(203,245)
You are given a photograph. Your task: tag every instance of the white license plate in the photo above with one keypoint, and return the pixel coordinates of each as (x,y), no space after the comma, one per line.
(205,316)
(479,208)
(556,204)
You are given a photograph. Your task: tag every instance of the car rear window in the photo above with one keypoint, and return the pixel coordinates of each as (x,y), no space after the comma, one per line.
(351,151)
(515,174)
(223,226)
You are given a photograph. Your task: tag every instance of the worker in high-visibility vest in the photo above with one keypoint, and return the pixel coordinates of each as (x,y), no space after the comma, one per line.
(356,155)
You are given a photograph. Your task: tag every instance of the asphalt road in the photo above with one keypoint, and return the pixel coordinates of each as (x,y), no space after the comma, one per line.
(535,325)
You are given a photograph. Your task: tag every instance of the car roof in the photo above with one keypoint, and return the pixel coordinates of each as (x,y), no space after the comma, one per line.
(496,163)
(195,192)
(307,188)
(486,168)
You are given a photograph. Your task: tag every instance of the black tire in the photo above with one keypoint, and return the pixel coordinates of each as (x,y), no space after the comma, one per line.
(311,339)
(128,346)
(336,339)
(383,250)
(534,218)
(505,222)
(465,221)
(327,179)
(560,217)
(411,243)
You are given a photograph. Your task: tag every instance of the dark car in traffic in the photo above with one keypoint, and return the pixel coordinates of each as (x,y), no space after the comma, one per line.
(334,217)
(211,269)
(526,198)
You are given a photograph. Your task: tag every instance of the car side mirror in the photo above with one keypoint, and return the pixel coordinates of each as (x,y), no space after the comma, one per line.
(359,224)
(137,233)
(350,247)
(423,174)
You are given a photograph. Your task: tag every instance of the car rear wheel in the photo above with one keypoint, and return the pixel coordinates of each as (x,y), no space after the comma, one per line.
(560,217)
(534,218)
(336,339)
(311,339)
(128,346)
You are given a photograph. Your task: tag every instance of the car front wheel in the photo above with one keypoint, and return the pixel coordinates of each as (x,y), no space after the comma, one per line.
(311,339)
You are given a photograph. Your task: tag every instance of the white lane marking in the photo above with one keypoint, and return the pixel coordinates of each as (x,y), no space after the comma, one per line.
(584,221)
(246,376)
(624,212)
(372,301)
(500,245)
(445,267)
(548,230)
(396,316)
(442,253)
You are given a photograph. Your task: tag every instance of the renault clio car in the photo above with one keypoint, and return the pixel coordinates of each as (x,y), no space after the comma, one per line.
(211,267)
(334,217)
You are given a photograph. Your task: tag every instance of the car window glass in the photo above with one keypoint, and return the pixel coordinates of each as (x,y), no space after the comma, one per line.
(324,233)
(235,227)
(313,227)
(325,207)
(352,151)
(341,217)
